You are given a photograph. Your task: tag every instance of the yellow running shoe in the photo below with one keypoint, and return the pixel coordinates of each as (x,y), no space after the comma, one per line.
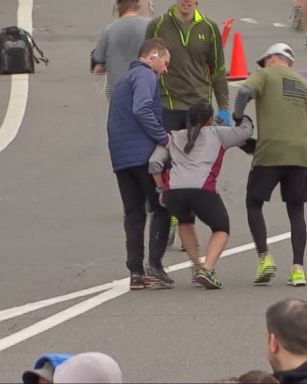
(297,278)
(266,270)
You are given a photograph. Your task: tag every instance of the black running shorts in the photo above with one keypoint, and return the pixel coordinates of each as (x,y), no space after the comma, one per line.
(208,206)
(292,179)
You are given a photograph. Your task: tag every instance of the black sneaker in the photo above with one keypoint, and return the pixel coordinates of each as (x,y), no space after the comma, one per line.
(136,281)
(158,278)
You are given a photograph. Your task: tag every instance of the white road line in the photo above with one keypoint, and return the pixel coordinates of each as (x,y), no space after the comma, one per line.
(17,311)
(61,317)
(10,313)
(19,85)
(280,25)
(119,288)
(249,20)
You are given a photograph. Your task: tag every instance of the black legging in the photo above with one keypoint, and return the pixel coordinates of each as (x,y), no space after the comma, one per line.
(258,228)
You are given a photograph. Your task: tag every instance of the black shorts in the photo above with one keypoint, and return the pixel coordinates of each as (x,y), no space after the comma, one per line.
(292,179)
(208,206)
(174,120)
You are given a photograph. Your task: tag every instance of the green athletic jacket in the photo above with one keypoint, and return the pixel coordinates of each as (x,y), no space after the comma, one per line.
(197,65)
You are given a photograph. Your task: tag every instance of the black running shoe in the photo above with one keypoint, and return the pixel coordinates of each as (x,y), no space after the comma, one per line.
(136,281)
(158,278)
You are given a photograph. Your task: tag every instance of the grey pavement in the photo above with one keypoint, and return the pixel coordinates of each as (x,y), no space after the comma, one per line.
(61,218)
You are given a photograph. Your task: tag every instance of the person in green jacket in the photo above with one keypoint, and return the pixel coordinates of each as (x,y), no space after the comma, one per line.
(197,68)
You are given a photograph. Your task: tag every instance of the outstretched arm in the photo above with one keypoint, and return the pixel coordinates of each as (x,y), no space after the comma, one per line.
(244,95)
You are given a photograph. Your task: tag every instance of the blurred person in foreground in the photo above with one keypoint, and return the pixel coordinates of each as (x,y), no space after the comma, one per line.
(44,368)
(287,340)
(89,367)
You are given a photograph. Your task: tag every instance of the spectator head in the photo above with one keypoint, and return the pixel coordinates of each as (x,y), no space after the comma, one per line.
(279,53)
(186,8)
(287,334)
(90,367)
(124,6)
(44,367)
(199,115)
(146,8)
(155,53)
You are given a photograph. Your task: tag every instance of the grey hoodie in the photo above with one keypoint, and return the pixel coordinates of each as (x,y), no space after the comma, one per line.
(200,168)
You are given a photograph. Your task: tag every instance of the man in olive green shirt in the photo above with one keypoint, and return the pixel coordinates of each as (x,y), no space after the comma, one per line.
(280,154)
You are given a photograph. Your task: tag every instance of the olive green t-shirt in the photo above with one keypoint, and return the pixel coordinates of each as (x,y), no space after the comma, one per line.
(281,106)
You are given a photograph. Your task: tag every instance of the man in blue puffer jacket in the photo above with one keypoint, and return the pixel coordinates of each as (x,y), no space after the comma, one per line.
(134,130)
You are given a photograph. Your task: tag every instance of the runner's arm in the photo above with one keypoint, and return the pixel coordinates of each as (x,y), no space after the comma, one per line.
(243,97)
(100,53)
(235,136)
(252,89)
(216,62)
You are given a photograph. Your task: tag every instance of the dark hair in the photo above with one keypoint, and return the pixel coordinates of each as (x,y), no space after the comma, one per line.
(156,43)
(197,116)
(257,377)
(252,377)
(287,319)
(126,5)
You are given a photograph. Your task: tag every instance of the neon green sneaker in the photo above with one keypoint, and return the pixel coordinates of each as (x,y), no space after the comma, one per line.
(208,279)
(297,278)
(266,270)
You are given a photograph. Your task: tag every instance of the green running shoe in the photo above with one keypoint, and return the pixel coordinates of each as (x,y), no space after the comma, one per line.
(297,278)
(266,270)
(208,279)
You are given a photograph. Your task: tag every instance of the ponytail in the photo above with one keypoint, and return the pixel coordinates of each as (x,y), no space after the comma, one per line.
(198,114)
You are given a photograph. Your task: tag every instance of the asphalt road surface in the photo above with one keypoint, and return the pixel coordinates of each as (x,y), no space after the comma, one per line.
(63,281)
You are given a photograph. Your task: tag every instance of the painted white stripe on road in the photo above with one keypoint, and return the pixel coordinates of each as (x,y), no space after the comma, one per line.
(249,20)
(61,317)
(10,313)
(280,25)
(118,289)
(19,85)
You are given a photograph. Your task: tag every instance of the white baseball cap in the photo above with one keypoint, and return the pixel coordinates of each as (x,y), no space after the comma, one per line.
(90,367)
(277,49)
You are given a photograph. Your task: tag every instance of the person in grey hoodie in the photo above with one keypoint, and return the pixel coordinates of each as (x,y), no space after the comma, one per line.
(119,43)
(196,156)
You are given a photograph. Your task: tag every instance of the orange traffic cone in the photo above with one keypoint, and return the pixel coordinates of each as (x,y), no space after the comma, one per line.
(238,68)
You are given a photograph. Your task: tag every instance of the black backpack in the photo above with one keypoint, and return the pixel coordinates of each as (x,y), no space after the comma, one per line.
(17,51)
